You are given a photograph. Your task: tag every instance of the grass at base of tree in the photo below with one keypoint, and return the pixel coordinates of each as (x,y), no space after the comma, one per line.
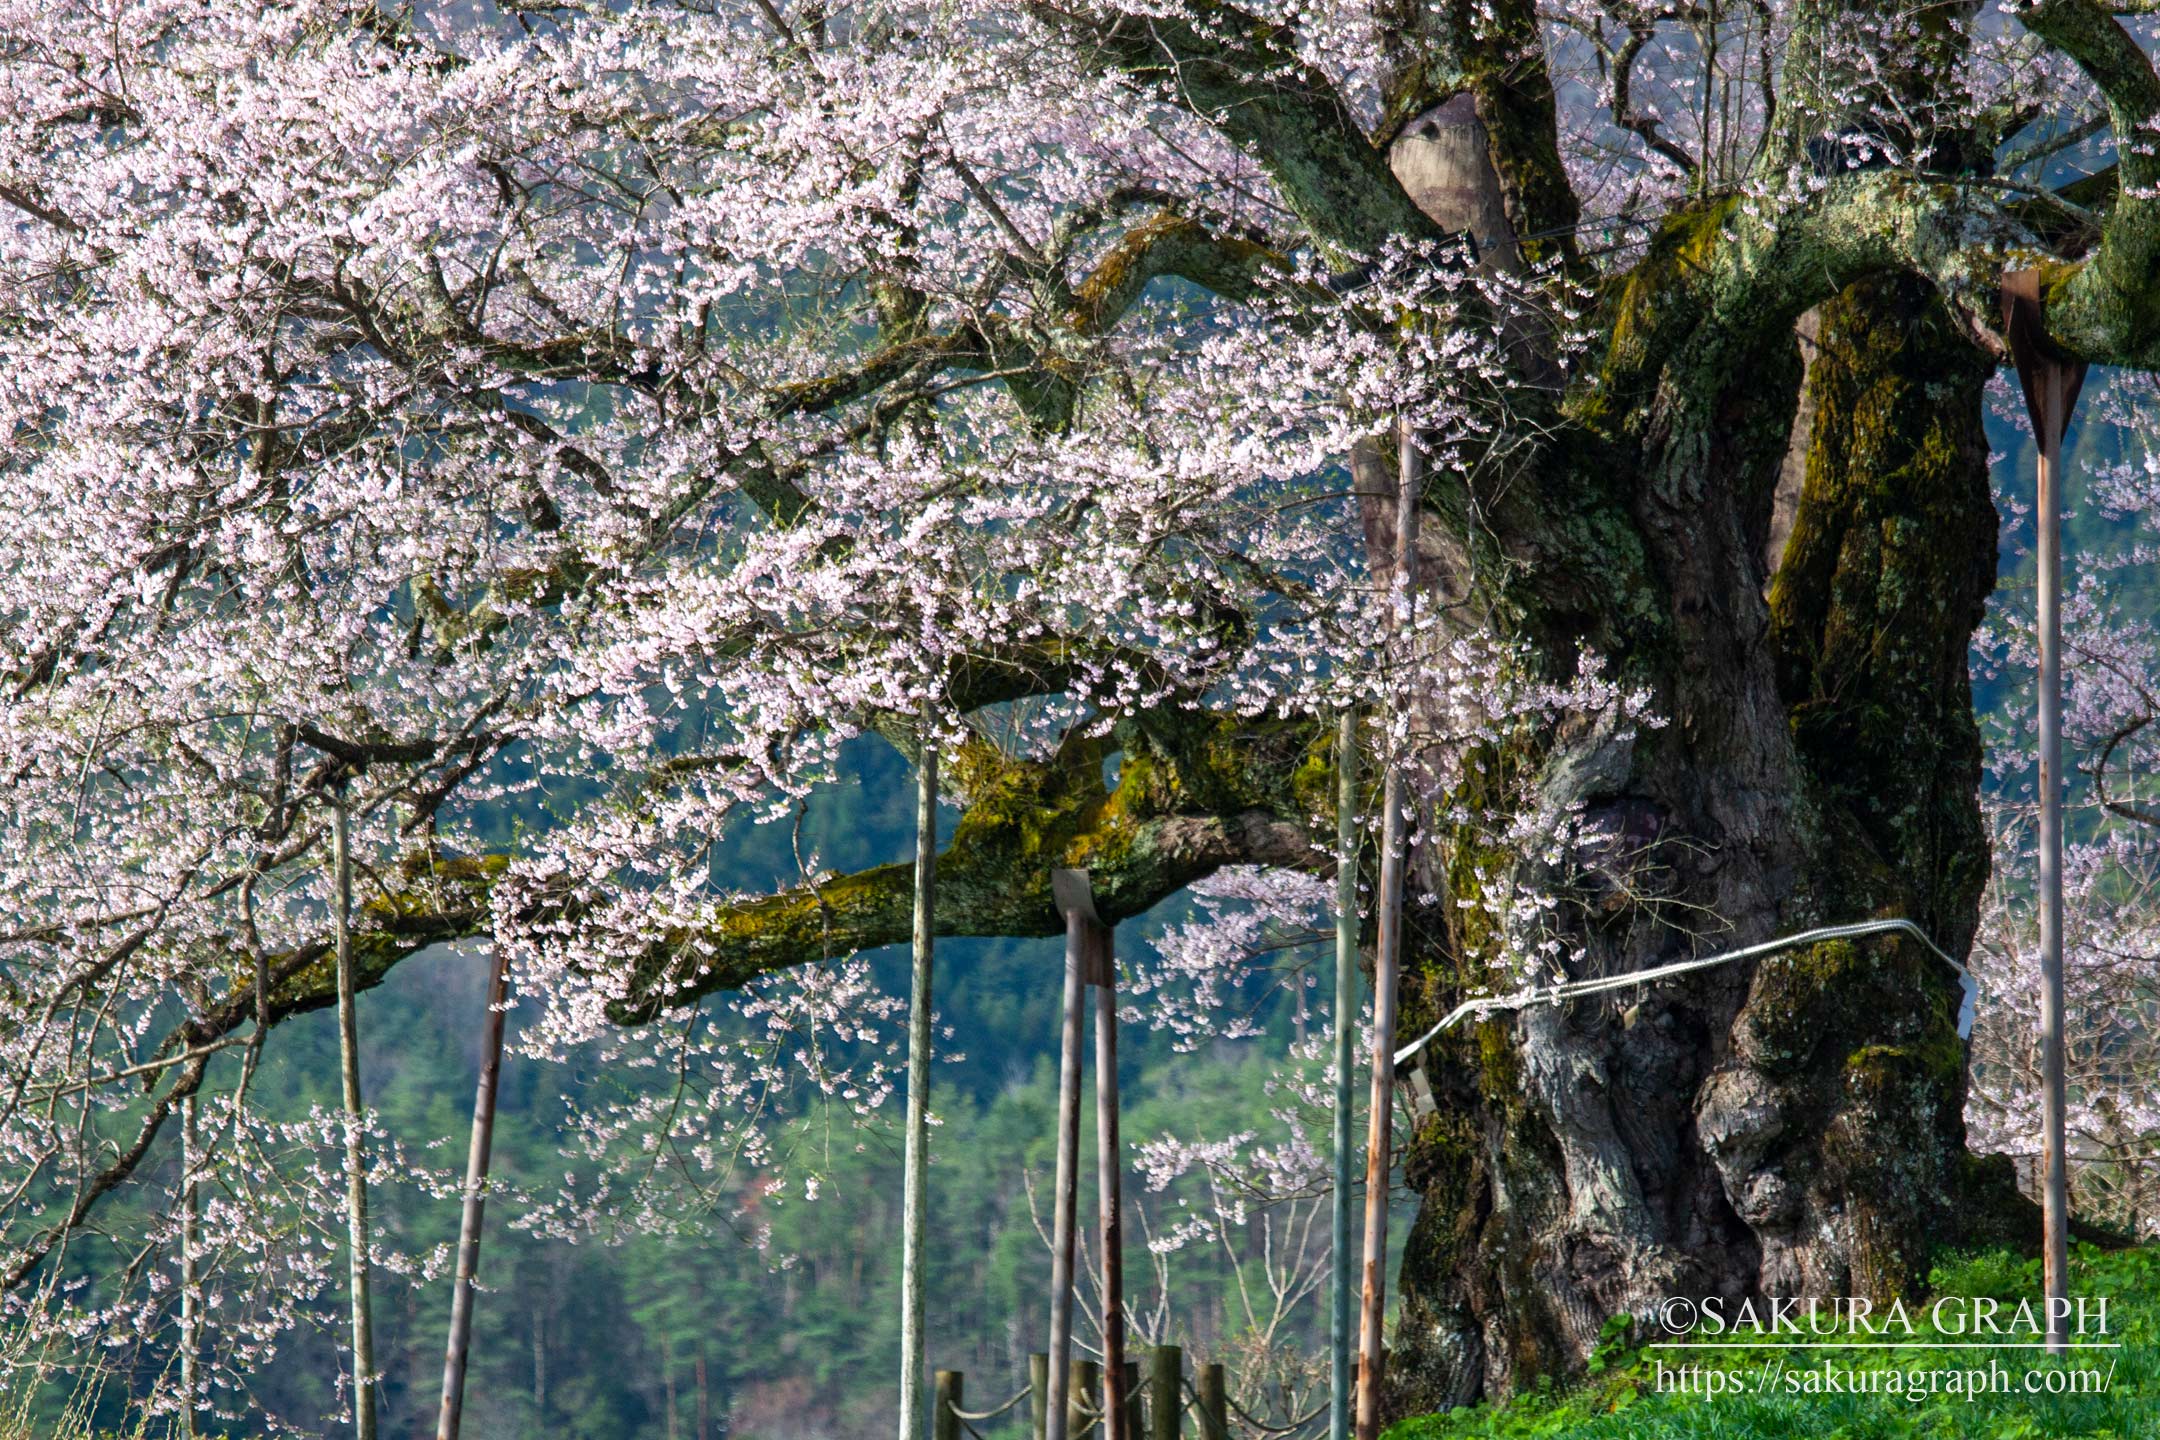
(1786,1390)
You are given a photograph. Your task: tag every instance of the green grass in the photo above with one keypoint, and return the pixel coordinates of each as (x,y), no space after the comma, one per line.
(1623,1398)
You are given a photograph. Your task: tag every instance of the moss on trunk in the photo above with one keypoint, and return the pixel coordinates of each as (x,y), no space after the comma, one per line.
(1790,1126)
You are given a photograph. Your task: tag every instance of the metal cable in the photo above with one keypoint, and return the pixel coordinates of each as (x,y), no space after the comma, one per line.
(1568,990)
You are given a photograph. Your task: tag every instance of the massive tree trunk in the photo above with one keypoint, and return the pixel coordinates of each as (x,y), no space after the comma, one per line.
(1789,1126)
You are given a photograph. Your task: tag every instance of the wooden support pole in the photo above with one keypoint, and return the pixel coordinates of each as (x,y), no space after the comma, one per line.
(945,1421)
(1064,1204)
(1082,1414)
(1393,843)
(356,1212)
(1345,1022)
(914,1182)
(1039,1391)
(462,1292)
(190,1280)
(1135,1415)
(1109,1162)
(1214,1402)
(1166,1392)
(2051,384)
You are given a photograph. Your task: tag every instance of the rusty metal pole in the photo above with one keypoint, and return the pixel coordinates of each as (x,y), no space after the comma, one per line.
(1108,1164)
(1393,842)
(1073,896)
(455,1354)
(2051,383)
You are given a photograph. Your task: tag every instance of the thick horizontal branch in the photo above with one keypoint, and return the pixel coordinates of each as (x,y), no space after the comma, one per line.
(871,909)
(1193,794)
(1719,283)
(1214,792)
(1169,244)
(449,904)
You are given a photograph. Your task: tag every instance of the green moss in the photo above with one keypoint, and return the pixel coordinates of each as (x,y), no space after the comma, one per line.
(1313,781)
(1886,1141)
(1499,1068)
(314,985)
(1655,300)
(1798,996)
(1880,1000)
(1889,563)
(439,897)
(1441,1161)
(429,880)
(1030,809)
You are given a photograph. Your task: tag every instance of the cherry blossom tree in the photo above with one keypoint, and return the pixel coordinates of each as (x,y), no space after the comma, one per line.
(563,428)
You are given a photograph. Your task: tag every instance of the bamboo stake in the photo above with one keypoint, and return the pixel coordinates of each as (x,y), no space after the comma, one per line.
(2051,386)
(356,1217)
(1371,1342)
(1065,1203)
(462,1297)
(1108,1163)
(1346,956)
(914,1176)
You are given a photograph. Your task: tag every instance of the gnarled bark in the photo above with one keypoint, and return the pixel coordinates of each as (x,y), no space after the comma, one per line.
(1791,1125)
